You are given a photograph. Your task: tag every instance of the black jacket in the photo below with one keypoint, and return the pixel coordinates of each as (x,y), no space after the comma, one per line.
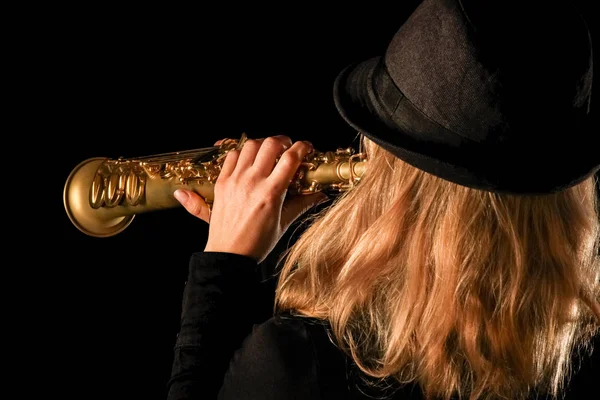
(226,350)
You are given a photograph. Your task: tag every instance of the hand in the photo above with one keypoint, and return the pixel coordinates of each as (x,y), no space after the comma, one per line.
(250,212)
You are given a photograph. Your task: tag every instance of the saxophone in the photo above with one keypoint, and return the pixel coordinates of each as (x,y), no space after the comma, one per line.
(102,195)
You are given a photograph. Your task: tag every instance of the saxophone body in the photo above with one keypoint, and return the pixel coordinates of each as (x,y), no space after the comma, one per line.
(102,195)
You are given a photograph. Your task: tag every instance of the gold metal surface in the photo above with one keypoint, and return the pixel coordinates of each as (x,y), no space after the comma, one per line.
(102,195)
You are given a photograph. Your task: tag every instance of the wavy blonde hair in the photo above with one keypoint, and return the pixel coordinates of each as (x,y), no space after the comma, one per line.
(465,292)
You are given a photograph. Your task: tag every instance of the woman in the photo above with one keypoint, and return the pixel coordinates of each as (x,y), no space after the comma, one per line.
(465,263)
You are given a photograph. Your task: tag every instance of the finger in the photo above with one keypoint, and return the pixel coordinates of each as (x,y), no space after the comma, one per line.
(248,153)
(229,164)
(272,148)
(193,203)
(288,164)
(218,142)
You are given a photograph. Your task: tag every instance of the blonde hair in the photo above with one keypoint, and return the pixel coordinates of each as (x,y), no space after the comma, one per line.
(465,292)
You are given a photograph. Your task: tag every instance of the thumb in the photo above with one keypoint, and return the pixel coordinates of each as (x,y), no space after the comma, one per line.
(295,206)
(193,203)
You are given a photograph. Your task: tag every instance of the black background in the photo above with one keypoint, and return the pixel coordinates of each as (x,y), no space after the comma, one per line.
(115,80)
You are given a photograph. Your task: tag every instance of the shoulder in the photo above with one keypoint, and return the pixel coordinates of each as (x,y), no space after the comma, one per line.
(285,339)
(277,360)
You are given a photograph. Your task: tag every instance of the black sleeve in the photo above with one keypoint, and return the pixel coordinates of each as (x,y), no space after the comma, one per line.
(276,361)
(219,308)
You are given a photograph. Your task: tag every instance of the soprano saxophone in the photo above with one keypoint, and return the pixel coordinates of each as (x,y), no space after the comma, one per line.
(102,195)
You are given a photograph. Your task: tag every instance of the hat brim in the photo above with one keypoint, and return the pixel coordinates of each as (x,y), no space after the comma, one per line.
(412,137)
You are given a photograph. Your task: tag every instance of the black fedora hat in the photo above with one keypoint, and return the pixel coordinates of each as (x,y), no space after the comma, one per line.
(489,94)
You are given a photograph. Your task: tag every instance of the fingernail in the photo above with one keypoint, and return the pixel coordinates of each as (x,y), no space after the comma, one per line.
(181,196)
(312,148)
